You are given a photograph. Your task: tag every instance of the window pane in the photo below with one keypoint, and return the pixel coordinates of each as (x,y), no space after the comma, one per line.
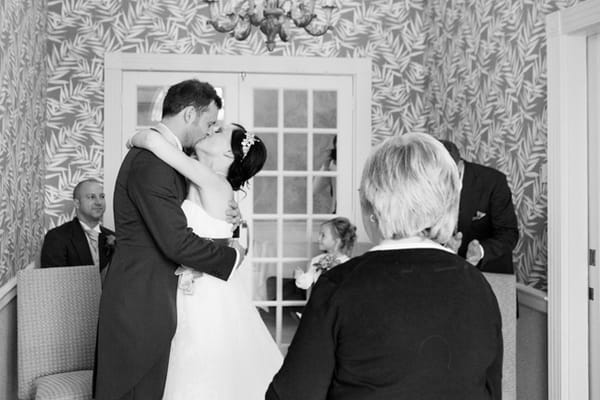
(263,280)
(294,239)
(290,323)
(325,109)
(289,289)
(324,195)
(149,104)
(265,238)
(295,103)
(294,195)
(268,316)
(289,319)
(270,141)
(265,108)
(294,149)
(265,194)
(324,151)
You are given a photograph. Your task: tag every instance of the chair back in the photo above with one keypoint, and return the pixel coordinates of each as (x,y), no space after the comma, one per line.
(505,289)
(57,317)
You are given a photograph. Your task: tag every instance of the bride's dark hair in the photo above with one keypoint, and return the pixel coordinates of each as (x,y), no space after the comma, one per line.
(244,167)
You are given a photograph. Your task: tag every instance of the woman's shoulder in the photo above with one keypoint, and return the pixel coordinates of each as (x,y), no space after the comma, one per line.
(379,264)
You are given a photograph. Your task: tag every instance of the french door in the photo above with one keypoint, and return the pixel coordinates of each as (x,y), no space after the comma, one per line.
(301,118)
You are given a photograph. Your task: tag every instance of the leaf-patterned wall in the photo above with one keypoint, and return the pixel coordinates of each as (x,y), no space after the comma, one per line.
(486,63)
(22,115)
(82,31)
(473,71)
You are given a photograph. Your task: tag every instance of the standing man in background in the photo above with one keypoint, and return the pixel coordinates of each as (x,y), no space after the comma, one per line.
(81,241)
(487,230)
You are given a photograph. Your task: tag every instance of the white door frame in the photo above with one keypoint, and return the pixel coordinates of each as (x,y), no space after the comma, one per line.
(116,63)
(567,32)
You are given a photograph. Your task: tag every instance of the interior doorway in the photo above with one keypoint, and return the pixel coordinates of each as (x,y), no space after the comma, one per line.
(299,112)
(573,201)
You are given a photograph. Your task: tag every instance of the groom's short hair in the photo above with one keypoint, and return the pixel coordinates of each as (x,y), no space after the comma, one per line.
(191,92)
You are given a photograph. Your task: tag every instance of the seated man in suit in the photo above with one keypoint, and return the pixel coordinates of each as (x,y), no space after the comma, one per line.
(81,241)
(487,224)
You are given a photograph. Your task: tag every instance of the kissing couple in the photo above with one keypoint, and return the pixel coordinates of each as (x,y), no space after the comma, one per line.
(174,321)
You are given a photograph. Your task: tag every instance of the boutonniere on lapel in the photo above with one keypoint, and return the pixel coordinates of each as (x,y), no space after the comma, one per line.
(109,246)
(478,215)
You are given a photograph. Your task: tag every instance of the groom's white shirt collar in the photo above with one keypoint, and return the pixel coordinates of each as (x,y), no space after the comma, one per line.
(169,135)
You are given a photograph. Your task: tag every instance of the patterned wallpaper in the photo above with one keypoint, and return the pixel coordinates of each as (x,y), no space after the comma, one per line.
(81,32)
(22,112)
(470,70)
(486,90)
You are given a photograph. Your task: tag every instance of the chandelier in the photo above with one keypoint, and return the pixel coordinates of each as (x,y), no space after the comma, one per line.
(273,17)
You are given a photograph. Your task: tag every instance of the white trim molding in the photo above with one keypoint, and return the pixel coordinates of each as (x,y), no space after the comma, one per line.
(567,31)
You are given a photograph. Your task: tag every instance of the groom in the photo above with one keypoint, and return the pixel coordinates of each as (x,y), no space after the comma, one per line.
(138,313)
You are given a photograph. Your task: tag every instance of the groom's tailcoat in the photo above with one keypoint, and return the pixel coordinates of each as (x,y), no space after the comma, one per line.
(138,315)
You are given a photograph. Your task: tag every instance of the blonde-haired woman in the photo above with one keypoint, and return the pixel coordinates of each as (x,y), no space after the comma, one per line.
(409,319)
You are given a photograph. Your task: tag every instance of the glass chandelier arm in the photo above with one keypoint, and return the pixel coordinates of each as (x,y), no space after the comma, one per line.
(242,29)
(221,23)
(285,29)
(301,14)
(256,12)
(315,28)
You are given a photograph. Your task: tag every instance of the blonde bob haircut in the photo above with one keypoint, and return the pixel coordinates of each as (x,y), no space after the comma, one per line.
(410,184)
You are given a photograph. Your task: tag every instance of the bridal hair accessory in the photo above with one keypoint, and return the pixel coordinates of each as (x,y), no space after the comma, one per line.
(247,142)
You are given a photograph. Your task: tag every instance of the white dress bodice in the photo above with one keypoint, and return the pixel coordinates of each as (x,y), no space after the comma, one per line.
(203,224)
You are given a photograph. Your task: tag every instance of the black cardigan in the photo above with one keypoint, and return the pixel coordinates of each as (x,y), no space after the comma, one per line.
(396,324)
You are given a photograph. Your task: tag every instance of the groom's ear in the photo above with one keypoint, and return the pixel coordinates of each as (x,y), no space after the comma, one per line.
(188,114)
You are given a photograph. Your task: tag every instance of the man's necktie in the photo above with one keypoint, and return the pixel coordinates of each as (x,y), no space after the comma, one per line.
(92,236)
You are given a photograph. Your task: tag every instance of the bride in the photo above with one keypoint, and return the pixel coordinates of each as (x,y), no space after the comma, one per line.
(221,349)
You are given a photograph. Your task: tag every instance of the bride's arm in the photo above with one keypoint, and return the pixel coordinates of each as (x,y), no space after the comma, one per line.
(192,169)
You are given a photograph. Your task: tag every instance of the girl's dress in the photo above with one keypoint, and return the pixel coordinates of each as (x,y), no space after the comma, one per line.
(316,267)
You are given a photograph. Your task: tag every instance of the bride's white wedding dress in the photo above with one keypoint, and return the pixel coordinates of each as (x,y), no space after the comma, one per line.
(221,350)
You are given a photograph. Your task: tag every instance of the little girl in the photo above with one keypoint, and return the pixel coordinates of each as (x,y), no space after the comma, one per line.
(336,239)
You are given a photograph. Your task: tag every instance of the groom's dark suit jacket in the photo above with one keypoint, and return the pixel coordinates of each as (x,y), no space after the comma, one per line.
(487,214)
(67,245)
(138,316)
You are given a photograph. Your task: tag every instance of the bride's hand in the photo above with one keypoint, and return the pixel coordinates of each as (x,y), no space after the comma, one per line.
(143,139)
(233,214)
